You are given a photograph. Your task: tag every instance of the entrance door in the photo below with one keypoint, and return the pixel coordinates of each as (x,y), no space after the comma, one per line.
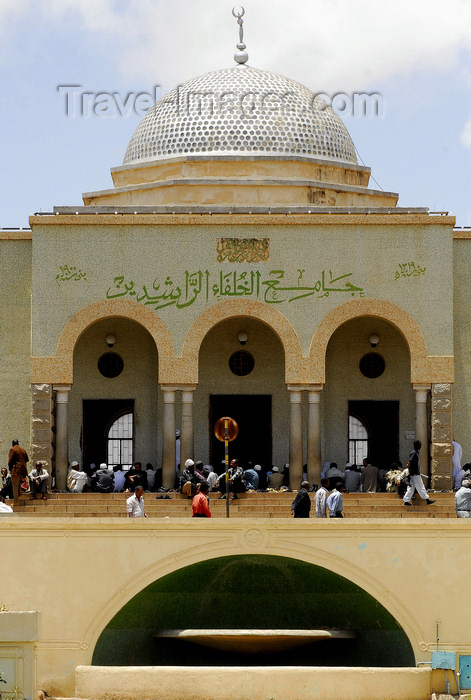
(98,417)
(253,416)
(381,420)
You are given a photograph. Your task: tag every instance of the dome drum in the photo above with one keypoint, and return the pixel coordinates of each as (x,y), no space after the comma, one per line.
(241,137)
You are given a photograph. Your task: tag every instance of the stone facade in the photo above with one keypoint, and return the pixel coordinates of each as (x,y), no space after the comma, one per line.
(42,422)
(442,435)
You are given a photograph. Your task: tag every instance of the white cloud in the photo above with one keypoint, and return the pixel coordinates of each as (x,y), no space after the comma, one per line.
(329,45)
(340,44)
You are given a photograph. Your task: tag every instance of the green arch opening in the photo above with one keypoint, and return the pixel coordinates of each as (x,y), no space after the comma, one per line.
(253,592)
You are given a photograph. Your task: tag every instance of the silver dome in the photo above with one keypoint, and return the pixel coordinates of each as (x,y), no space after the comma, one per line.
(241,111)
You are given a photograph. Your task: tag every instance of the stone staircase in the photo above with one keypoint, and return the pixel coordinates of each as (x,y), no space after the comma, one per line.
(249,505)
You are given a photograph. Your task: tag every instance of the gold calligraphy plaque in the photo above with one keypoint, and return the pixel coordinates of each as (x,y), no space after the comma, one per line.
(248,250)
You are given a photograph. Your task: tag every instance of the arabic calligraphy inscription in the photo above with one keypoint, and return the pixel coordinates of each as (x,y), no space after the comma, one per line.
(271,288)
(70,273)
(409,269)
(249,250)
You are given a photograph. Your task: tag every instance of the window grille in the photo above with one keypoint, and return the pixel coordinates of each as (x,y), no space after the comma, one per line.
(120,442)
(357,440)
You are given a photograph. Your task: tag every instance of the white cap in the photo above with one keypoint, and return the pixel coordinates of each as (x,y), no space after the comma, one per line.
(103,465)
(74,464)
(189,463)
(275,469)
(258,468)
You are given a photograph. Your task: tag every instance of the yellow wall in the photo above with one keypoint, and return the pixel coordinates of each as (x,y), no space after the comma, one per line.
(462,345)
(273,683)
(79,573)
(370,254)
(15,342)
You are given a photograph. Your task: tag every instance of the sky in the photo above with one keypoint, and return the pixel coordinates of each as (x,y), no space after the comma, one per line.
(415,55)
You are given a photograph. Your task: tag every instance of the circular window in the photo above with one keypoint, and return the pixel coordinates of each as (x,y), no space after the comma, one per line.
(241,363)
(372,365)
(110,365)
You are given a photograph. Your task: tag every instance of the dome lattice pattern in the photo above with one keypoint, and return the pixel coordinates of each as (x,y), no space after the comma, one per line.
(241,111)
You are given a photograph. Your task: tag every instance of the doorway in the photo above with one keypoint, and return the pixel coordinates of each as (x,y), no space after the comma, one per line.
(98,417)
(253,414)
(381,422)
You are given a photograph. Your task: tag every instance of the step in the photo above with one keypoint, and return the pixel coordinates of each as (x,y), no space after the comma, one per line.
(248,505)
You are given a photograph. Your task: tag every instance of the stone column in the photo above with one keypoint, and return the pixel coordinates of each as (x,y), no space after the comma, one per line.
(314,435)
(186,433)
(62,435)
(295,438)
(169,451)
(442,434)
(42,422)
(421,424)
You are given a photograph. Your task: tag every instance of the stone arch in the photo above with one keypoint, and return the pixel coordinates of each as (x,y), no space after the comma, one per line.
(58,369)
(295,363)
(424,369)
(310,555)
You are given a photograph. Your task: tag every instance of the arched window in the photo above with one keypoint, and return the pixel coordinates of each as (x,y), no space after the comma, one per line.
(120,441)
(357,440)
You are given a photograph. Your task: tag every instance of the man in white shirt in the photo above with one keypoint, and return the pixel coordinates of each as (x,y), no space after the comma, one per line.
(463,500)
(38,481)
(210,476)
(463,472)
(320,499)
(335,501)
(135,504)
(76,478)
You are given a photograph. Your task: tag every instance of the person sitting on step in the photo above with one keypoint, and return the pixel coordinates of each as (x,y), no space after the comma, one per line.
(38,481)
(190,479)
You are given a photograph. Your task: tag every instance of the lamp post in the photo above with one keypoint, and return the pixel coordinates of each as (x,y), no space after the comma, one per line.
(226,430)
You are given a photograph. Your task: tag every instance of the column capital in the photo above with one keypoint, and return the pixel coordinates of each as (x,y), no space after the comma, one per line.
(178,387)
(314,393)
(305,387)
(295,396)
(62,392)
(169,394)
(421,392)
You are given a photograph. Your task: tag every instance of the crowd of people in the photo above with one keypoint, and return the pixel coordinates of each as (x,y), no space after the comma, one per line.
(104,479)
(196,480)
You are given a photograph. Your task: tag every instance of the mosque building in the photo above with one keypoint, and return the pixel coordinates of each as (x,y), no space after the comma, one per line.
(241,265)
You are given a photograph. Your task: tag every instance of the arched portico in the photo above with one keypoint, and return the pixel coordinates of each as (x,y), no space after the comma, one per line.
(58,372)
(295,363)
(423,368)
(58,369)
(176,373)
(429,375)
